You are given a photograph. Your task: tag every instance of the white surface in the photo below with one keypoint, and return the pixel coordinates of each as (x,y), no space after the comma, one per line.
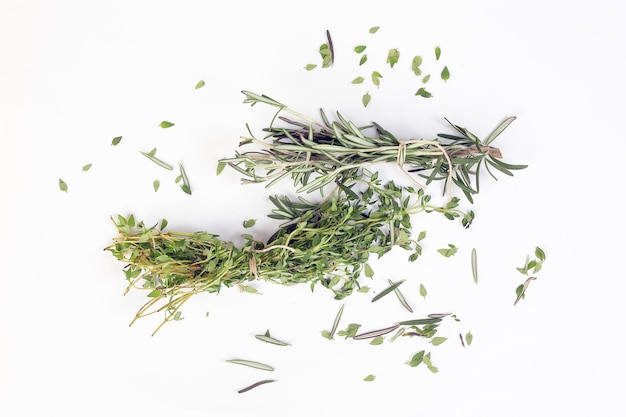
(75,74)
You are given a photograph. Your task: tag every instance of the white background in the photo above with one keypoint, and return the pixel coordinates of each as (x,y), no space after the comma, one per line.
(75,74)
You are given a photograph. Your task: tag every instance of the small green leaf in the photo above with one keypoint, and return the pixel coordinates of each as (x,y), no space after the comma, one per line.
(377,340)
(421,235)
(86,167)
(415,65)
(436,341)
(417,359)
(251,364)
(200,84)
(369,272)
(425,78)
(369,378)
(62,185)
(165,124)
(249,289)
(358,80)
(310,67)
(423,291)
(376,76)
(451,250)
(116,140)
(268,339)
(220,167)
(469,337)
(163,224)
(156,184)
(392,57)
(445,74)
(363,59)
(350,331)
(374,29)
(366,99)
(325,334)
(423,93)
(249,223)
(540,254)
(360,48)
(437,53)
(364,289)
(154,294)
(474,266)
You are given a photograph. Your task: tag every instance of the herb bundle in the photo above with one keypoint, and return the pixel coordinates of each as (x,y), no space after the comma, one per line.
(326,242)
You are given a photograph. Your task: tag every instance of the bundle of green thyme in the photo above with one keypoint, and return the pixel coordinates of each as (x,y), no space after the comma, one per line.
(326,242)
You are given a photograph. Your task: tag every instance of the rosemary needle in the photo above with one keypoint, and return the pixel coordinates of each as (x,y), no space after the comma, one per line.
(256,384)
(251,364)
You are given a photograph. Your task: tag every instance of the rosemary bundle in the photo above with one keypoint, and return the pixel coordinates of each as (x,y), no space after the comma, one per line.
(316,154)
(326,243)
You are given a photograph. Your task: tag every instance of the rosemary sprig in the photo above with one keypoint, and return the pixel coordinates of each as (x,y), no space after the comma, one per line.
(315,154)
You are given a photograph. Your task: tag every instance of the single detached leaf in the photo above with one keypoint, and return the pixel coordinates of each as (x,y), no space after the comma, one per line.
(116,140)
(437,53)
(360,48)
(423,93)
(200,84)
(540,254)
(310,67)
(86,167)
(366,99)
(423,291)
(425,78)
(378,340)
(369,272)
(156,184)
(374,29)
(363,59)
(358,80)
(451,250)
(249,223)
(415,65)
(251,364)
(474,266)
(387,290)
(417,359)
(445,74)
(392,57)
(436,341)
(62,185)
(220,167)
(469,337)
(250,290)
(369,378)
(364,289)
(165,124)
(376,76)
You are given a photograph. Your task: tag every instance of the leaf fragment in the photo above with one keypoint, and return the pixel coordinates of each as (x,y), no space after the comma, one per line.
(252,364)
(445,74)
(358,80)
(374,29)
(62,185)
(469,338)
(378,340)
(269,339)
(199,85)
(436,341)
(474,265)
(86,168)
(363,59)
(392,57)
(310,67)
(415,65)
(423,93)
(451,250)
(156,184)
(165,124)
(423,291)
(369,378)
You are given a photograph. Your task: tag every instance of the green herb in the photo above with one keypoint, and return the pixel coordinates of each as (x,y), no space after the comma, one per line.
(151,156)
(392,57)
(451,250)
(425,79)
(436,341)
(521,290)
(350,331)
(360,48)
(331,334)
(469,337)
(415,65)
(364,289)
(62,185)
(445,74)
(86,167)
(374,29)
(251,364)
(249,223)
(186,187)
(376,333)
(165,124)
(200,84)
(369,378)
(363,59)
(428,363)
(423,93)
(437,53)
(330,47)
(366,99)
(378,340)
(269,339)
(399,333)
(369,272)
(376,76)
(310,67)
(387,290)
(474,266)
(256,384)
(358,80)
(156,184)
(423,291)
(401,297)
(417,359)
(116,140)
(530,266)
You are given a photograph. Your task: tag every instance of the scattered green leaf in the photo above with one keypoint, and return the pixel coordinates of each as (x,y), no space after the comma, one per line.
(425,79)
(369,378)
(62,185)
(156,184)
(401,298)
(417,359)
(376,76)
(366,99)
(437,53)
(200,84)
(415,65)
(162,164)
(474,266)
(251,364)
(436,341)
(469,338)
(451,250)
(392,57)
(423,291)
(358,80)
(116,140)
(363,59)
(374,29)
(423,93)
(369,272)
(445,74)
(249,223)
(360,48)
(377,340)
(310,67)
(387,290)
(269,339)
(165,124)
(350,331)
(86,167)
